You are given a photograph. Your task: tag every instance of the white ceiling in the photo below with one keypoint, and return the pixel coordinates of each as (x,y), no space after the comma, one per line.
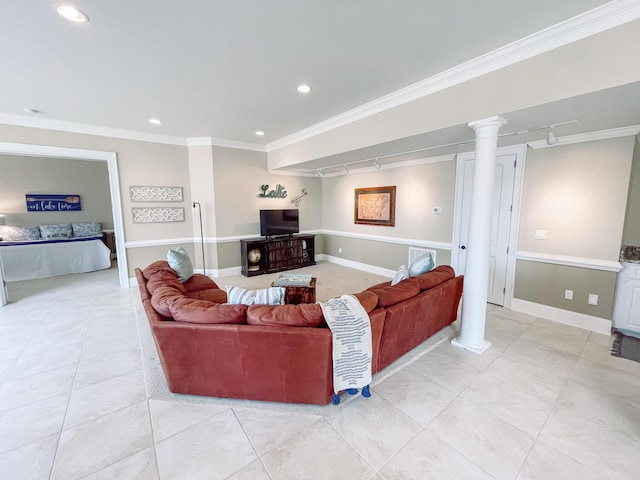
(224,69)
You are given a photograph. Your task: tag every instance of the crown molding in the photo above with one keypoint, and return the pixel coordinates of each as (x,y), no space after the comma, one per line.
(590,136)
(605,17)
(72,127)
(222,142)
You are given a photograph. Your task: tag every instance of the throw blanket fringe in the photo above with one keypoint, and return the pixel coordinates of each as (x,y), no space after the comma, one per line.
(352,351)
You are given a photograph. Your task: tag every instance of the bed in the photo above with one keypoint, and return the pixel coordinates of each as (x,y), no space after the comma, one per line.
(49,257)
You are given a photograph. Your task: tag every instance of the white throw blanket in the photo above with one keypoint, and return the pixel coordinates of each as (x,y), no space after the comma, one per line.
(352,352)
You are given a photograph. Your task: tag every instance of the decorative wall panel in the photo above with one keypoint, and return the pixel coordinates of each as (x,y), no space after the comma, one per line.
(157,215)
(155,194)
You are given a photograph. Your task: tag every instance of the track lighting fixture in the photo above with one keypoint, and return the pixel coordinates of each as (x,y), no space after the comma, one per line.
(551,139)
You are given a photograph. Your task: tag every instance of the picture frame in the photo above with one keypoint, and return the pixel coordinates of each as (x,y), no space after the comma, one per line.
(375,206)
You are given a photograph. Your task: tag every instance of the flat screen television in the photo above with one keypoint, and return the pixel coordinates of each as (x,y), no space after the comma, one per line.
(279,222)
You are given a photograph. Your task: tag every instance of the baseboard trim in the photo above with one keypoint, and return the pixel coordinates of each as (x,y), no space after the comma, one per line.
(575,319)
(385,272)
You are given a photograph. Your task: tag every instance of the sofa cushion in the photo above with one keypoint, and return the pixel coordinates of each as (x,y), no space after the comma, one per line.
(190,310)
(155,267)
(302,315)
(198,282)
(163,297)
(59,230)
(165,279)
(435,277)
(214,295)
(180,262)
(421,265)
(392,294)
(87,229)
(265,296)
(368,300)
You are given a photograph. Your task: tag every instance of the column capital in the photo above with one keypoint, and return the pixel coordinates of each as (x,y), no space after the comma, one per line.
(495,121)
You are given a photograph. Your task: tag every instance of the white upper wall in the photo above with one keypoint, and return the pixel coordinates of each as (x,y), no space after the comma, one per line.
(578,194)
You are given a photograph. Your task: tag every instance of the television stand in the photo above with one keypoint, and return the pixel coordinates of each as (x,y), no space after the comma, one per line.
(276,254)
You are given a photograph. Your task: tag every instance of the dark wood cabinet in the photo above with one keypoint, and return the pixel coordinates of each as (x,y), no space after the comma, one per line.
(268,255)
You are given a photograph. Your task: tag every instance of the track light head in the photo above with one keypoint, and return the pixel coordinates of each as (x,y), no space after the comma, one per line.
(319,173)
(346,170)
(376,164)
(551,137)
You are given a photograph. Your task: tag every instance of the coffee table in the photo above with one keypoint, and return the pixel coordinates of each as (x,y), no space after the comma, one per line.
(295,294)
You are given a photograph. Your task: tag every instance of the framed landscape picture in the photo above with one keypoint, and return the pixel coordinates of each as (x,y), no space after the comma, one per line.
(375,206)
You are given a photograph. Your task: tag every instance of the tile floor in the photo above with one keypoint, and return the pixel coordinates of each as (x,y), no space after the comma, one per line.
(547,401)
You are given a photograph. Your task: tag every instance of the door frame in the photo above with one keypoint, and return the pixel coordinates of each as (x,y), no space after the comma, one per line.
(114,186)
(520,151)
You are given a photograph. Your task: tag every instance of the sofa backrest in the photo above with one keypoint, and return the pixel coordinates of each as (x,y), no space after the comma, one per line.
(389,295)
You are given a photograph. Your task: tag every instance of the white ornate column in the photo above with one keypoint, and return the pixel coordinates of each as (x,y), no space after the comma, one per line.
(476,275)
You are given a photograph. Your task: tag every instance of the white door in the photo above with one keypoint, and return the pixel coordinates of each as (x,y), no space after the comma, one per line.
(500,224)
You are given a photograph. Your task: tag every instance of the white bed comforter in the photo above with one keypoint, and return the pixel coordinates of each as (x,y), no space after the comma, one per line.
(27,262)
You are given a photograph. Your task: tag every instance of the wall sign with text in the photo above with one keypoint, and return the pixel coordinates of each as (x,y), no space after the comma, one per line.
(41,202)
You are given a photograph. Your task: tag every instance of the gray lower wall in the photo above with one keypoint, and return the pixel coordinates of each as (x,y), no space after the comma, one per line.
(545,283)
(383,254)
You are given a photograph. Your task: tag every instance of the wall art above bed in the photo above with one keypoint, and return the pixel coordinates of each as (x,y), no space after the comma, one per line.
(157,215)
(47,202)
(155,194)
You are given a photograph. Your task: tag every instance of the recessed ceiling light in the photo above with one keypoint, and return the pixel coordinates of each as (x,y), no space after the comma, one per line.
(71,13)
(260,133)
(32,110)
(155,121)
(304,88)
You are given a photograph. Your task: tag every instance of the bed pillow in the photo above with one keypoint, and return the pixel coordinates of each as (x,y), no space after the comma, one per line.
(20,234)
(180,263)
(265,296)
(87,229)
(59,230)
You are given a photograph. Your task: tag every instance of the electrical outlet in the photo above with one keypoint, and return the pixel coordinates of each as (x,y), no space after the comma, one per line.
(593,299)
(541,235)
(437,210)
(568,294)
(340,250)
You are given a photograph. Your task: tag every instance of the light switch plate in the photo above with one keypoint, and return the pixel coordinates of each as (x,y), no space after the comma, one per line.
(593,299)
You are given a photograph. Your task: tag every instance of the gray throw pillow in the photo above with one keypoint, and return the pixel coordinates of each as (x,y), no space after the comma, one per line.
(180,263)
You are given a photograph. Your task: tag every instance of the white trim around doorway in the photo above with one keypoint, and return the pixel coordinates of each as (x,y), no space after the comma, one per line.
(114,187)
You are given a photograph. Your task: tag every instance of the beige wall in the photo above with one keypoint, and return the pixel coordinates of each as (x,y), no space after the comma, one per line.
(631,234)
(20,175)
(578,193)
(418,189)
(239,175)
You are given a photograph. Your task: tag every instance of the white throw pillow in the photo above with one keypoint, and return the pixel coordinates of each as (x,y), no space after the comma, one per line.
(180,263)
(401,274)
(421,265)
(265,296)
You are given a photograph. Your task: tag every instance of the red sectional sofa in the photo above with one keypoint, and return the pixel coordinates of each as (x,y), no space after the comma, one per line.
(280,353)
